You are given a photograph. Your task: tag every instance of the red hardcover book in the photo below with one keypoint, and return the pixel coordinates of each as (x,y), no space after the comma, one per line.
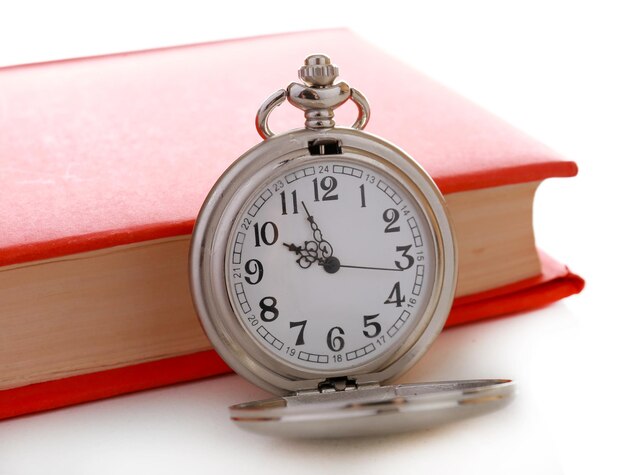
(111,151)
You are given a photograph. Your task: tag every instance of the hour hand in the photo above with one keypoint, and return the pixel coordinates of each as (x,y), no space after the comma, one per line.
(293,248)
(308,254)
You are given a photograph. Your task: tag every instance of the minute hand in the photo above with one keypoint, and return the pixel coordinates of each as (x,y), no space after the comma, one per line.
(325,248)
(317,233)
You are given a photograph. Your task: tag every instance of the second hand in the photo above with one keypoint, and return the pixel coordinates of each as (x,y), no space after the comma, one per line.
(371,268)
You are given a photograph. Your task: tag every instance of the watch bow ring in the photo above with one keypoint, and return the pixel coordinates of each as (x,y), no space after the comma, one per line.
(318,97)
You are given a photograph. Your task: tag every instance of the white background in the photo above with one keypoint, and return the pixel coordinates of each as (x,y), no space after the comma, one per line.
(556,70)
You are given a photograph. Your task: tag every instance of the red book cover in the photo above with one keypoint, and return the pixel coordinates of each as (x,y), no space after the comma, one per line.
(113,150)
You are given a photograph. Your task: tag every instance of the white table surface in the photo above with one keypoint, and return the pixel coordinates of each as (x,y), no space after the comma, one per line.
(554,69)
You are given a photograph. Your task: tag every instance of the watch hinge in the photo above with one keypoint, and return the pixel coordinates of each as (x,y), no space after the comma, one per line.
(325,146)
(340,384)
(337,384)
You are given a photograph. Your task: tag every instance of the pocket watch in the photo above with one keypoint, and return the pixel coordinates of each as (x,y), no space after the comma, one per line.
(322,265)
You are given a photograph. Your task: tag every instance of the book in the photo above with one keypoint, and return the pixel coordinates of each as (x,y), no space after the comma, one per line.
(105,162)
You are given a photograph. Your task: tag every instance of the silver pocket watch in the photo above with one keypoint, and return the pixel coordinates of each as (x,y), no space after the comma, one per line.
(322,265)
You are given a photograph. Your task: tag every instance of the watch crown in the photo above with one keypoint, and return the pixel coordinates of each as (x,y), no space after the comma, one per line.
(318,71)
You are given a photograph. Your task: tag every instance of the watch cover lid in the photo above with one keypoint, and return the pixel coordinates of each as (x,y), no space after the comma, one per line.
(374,410)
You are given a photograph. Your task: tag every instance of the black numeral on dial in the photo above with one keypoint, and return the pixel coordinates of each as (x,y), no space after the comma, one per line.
(266,234)
(328,184)
(410,260)
(372,328)
(334,340)
(391,216)
(302,325)
(396,297)
(269,312)
(294,202)
(255,269)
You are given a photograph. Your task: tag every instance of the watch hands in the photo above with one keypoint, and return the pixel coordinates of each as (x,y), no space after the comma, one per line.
(309,254)
(293,248)
(324,246)
(372,268)
(321,251)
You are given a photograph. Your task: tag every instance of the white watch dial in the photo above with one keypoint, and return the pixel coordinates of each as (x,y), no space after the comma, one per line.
(330,265)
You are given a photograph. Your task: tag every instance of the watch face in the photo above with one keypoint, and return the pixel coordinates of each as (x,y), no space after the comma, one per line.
(330,264)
